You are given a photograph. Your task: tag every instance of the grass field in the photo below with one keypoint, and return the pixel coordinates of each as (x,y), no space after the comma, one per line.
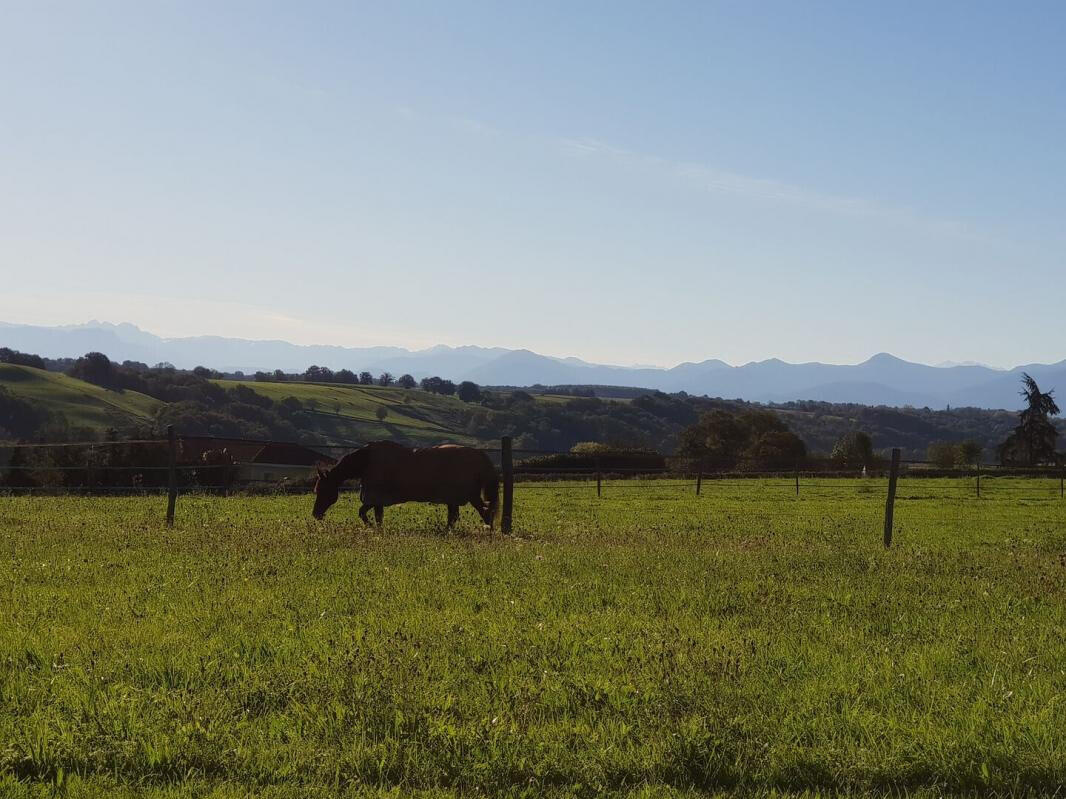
(647,642)
(83,404)
(348,411)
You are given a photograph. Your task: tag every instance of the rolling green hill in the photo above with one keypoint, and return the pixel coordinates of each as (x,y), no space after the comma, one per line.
(81,404)
(348,414)
(342,412)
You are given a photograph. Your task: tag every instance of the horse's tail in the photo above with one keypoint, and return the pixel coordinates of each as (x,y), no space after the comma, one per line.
(490,489)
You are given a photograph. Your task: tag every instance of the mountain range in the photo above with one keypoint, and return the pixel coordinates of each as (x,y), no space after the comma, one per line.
(881,380)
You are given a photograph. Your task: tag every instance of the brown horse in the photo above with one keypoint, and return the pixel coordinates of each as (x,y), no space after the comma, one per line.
(390,474)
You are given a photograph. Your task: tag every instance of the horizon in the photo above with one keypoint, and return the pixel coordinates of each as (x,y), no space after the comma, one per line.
(808,182)
(99,323)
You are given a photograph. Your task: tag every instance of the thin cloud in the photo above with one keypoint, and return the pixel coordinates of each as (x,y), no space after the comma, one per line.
(718,181)
(706,178)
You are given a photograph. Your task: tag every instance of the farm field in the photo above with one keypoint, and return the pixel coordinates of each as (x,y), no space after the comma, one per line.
(649,642)
(81,403)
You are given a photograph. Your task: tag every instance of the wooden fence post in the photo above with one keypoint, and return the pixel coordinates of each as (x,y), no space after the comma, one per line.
(89,471)
(1062,479)
(891,501)
(507,467)
(172,477)
(699,476)
(598,477)
(978,479)
(797,480)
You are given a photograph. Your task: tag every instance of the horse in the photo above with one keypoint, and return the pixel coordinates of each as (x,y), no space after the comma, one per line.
(389,474)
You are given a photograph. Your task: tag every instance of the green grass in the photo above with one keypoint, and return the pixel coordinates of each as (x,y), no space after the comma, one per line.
(349,412)
(648,641)
(562,399)
(83,404)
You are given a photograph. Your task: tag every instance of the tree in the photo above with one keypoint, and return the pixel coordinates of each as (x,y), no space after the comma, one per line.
(1033,440)
(20,417)
(385,379)
(941,454)
(366,379)
(853,449)
(406,381)
(21,358)
(318,374)
(468,391)
(968,453)
(280,376)
(436,385)
(291,404)
(95,368)
(345,376)
(780,448)
(717,435)
(381,412)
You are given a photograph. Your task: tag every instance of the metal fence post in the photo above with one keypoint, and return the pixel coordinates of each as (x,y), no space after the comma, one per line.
(891,501)
(598,477)
(172,476)
(507,467)
(797,480)
(978,479)
(699,476)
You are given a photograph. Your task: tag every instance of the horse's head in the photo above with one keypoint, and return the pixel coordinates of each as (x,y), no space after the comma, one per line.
(327,487)
(328,484)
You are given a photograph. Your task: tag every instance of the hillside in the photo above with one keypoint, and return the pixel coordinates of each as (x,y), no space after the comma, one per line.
(553,420)
(339,412)
(81,404)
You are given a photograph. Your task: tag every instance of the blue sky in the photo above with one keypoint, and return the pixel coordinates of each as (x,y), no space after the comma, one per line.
(623,182)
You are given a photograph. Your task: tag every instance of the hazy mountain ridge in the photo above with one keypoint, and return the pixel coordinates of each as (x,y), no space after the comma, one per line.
(881,380)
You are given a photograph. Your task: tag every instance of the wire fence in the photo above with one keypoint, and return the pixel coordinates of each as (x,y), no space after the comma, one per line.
(210,464)
(213,462)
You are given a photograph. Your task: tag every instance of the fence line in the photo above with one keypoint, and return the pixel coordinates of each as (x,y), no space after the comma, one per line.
(572,473)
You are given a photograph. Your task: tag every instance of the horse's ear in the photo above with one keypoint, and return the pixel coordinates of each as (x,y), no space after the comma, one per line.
(321,471)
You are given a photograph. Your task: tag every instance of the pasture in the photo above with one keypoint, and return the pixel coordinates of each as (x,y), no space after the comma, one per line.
(649,642)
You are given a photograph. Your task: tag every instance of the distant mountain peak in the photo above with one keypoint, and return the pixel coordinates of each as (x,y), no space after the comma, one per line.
(883,358)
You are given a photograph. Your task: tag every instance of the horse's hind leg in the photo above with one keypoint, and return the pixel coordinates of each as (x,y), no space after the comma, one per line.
(379,514)
(453,515)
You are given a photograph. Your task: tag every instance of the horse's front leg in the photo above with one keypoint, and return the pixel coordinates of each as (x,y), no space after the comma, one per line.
(453,515)
(379,514)
(363,509)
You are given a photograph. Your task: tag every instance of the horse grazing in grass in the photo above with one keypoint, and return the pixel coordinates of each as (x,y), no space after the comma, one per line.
(390,474)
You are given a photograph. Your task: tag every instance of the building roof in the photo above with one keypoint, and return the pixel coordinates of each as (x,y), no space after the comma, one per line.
(289,455)
(193,447)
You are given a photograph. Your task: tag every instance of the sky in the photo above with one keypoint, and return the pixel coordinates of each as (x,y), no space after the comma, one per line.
(622,182)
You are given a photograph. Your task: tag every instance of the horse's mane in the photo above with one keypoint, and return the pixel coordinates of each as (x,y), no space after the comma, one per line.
(353,464)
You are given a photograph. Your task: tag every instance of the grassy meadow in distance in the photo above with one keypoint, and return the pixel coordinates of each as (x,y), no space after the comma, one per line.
(344,409)
(80,403)
(648,642)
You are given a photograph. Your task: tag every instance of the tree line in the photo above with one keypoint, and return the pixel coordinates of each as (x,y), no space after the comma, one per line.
(726,430)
